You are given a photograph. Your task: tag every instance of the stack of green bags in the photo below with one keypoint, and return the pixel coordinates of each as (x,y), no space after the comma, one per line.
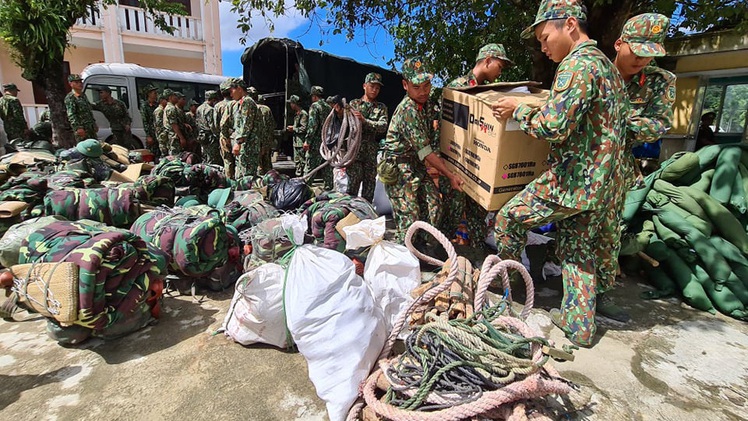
(691,216)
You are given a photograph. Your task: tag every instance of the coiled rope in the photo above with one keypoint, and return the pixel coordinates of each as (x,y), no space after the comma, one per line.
(347,142)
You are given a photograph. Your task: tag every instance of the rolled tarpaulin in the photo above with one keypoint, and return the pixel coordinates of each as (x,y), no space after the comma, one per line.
(738,263)
(724,221)
(682,169)
(689,286)
(665,287)
(660,203)
(722,299)
(724,174)
(705,181)
(708,156)
(117,207)
(681,198)
(667,235)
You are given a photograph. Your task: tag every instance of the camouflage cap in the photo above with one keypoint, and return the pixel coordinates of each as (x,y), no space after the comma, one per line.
(193,102)
(330,99)
(211,94)
(237,82)
(150,88)
(374,78)
(178,94)
(415,71)
(225,85)
(253,93)
(317,90)
(74,77)
(645,34)
(90,148)
(294,99)
(11,87)
(167,93)
(555,9)
(104,88)
(493,51)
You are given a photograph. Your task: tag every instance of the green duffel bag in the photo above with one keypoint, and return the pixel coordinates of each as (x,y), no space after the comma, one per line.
(725,173)
(738,263)
(737,198)
(667,235)
(724,221)
(723,299)
(689,286)
(665,287)
(681,198)
(708,156)
(662,203)
(704,182)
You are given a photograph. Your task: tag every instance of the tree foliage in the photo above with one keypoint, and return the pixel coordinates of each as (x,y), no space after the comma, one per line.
(450,32)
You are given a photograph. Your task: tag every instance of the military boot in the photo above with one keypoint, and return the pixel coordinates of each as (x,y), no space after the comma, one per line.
(607,308)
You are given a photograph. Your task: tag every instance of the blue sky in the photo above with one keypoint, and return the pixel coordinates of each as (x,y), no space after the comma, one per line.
(375,47)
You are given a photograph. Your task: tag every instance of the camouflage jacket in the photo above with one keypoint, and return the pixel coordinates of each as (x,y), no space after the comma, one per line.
(147,111)
(190,123)
(585,121)
(373,128)
(411,130)
(318,112)
(219,110)
(79,113)
(11,112)
(300,127)
(173,115)
(651,97)
(158,120)
(226,125)
(246,120)
(265,132)
(115,112)
(205,119)
(461,82)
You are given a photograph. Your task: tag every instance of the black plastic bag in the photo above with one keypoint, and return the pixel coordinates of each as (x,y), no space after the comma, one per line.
(290,194)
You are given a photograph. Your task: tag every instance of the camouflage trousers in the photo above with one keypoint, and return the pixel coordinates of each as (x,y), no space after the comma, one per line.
(315,160)
(609,243)
(475,216)
(163,143)
(454,204)
(579,238)
(299,159)
(248,159)
(229,160)
(363,171)
(414,197)
(174,146)
(210,148)
(266,164)
(90,134)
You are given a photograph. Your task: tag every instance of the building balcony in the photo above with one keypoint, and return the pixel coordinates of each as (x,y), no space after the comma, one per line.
(134,21)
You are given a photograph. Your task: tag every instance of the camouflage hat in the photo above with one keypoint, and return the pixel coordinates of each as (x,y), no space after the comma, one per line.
(225,85)
(253,93)
(555,9)
(10,86)
(104,88)
(493,51)
(178,94)
(317,90)
(415,71)
(645,34)
(330,99)
(374,78)
(167,93)
(211,94)
(237,82)
(74,77)
(294,99)
(150,88)
(193,102)
(90,148)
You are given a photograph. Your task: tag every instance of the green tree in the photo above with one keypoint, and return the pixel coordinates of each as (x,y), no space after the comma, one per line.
(38,33)
(450,32)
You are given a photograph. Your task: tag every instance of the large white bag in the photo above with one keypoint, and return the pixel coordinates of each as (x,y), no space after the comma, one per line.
(256,311)
(334,322)
(391,270)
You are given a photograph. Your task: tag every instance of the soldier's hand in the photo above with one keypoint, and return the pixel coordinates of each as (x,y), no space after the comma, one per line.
(306,146)
(81,132)
(503,108)
(149,141)
(456,181)
(289,128)
(358,115)
(236,149)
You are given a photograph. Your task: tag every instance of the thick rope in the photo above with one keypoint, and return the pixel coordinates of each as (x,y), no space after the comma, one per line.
(494,266)
(347,146)
(430,294)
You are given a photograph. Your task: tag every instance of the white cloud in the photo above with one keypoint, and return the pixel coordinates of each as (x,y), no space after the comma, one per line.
(230,34)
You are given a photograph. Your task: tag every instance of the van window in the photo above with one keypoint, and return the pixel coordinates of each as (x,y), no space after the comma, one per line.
(118,92)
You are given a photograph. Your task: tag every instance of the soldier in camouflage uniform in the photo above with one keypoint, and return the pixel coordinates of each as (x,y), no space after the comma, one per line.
(191,130)
(119,119)
(158,123)
(584,120)
(407,148)
(147,109)
(373,116)
(266,136)
(174,126)
(207,129)
(651,94)
(79,111)
(318,112)
(246,144)
(225,118)
(299,129)
(489,63)
(11,112)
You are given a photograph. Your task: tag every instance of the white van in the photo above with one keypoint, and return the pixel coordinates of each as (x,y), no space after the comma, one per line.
(128,81)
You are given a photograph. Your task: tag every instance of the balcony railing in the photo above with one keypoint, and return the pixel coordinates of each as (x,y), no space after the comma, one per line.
(135,20)
(93,19)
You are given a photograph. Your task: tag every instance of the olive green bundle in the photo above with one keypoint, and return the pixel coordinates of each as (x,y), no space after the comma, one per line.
(724,175)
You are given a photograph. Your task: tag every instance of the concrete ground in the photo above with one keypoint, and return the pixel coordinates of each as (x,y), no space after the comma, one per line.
(670,363)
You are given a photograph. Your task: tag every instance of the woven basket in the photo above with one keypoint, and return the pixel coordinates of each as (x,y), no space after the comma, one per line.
(50,289)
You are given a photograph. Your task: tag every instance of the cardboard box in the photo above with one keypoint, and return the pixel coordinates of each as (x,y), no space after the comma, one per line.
(494,157)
